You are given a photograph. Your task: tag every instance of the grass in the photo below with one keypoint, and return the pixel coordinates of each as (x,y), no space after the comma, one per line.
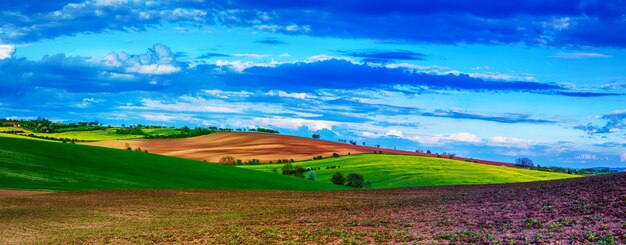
(40,165)
(389,171)
(92,135)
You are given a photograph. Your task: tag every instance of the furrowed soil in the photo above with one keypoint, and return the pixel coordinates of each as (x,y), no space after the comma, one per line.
(247,146)
(580,210)
(17,193)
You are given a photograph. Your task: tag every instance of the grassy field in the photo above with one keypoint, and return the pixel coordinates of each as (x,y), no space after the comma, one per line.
(93,135)
(387,171)
(586,210)
(30,164)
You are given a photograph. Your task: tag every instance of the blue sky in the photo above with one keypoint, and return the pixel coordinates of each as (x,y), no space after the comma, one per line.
(495,80)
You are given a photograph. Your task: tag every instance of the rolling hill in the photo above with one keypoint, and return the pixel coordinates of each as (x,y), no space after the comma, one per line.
(40,165)
(390,171)
(247,146)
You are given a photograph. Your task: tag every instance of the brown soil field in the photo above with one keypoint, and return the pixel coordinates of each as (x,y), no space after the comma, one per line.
(579,211)
(247,146)
(16,193)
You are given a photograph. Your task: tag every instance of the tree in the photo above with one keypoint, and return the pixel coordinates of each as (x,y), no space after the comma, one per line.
(315,136)
(524,162)
(338,179)
(312,176)
(355,180)
(335,154)
(227,160)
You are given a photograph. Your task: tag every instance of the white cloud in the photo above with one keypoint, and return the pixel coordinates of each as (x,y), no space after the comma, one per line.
(238,65)
(464,137)
(6,51)
(510,142)
(623,157)
(442,71)
(579,55)
(295,123)
(159,117)
(154,69)
(184,103)
(395,132)
(227,94)
(158,60)
(110,2)
(281,93)
(256,56)
(587,157)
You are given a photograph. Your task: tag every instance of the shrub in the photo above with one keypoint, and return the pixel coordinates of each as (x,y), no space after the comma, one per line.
(227,160)
(338,179)
(355,180)
(288,169)
(299,172)
(335,154)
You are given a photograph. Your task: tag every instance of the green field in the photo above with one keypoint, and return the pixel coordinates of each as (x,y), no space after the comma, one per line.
(389,171)
(40,165)
(92,135)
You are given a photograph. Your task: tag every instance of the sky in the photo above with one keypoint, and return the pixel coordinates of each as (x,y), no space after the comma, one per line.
(493,79)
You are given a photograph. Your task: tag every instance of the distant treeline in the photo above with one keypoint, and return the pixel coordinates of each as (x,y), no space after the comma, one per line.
(584,171)
(42,125)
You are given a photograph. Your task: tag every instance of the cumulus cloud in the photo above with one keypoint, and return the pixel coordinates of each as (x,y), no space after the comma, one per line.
(158,60)
(6,51)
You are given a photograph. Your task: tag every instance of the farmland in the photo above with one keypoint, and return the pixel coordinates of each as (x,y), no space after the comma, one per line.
(579,210)
(246,146)
(39,165)
(390,171)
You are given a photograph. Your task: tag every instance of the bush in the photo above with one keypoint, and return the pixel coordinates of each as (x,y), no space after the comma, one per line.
(227,160)
(338,179)
(289,169)
(335,154)
(355,180)
(299,172)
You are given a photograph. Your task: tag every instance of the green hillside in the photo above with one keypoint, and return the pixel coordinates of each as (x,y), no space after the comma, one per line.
(388,171)
(31,164)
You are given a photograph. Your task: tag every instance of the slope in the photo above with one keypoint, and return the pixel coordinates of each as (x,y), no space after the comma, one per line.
(389,171)
(247,146)
(30,164)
